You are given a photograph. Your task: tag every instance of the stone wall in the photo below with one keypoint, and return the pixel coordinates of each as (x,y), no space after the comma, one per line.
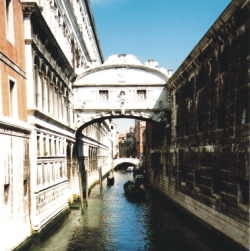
(204,164)
(14,184)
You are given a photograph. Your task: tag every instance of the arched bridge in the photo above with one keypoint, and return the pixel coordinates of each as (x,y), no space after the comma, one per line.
(122,87)
(133,161)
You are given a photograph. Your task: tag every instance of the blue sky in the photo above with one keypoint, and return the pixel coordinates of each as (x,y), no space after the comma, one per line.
(164,30)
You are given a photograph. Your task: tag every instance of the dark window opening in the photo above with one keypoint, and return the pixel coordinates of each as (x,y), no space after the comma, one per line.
(141,94)
(6,192)
(103,94)
(25,187)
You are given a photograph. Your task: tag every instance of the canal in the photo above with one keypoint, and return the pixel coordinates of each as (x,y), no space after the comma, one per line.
(112,223)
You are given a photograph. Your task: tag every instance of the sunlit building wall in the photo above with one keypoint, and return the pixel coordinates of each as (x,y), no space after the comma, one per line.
(60,42)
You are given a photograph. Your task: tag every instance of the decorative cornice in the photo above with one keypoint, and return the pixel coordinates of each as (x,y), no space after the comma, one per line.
(104,67)
(41,51)
(29,8)
(92,21)
(13,126)
(12,65)
(76,26)
(45,121)
(119,85)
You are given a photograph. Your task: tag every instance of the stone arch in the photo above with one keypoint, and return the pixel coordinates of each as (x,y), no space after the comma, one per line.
(132,161)
(99,118)
(122,87)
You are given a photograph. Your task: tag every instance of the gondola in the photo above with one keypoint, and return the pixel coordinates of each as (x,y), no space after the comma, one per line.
(135,190)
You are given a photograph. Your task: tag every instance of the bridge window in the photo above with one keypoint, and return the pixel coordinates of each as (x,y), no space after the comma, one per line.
(103,94)
(141,94)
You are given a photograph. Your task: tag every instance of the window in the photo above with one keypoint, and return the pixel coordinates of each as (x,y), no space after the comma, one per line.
(61,169)
(13,99)
(103,94)
(6,192)
(141,94)
(50,146)
(38,144)
(122,94)
(7,167)
(9,20)
(44,146)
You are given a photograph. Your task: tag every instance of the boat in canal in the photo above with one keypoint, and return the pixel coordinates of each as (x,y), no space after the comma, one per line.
(135,190)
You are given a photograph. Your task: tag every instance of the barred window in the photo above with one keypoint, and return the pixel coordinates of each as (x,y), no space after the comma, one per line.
(142,94)
(103,94)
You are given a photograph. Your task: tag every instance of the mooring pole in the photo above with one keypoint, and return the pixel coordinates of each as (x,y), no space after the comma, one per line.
(83,177)
(83,183)
(100,179)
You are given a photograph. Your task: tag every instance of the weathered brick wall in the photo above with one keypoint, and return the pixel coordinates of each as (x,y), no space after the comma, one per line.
(206,160)
(234,229)
(12,61)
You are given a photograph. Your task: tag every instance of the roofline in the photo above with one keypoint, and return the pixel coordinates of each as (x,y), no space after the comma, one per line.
(127,66)
(206,38)
(92,21)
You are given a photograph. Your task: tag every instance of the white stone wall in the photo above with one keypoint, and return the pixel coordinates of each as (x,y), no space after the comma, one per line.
(122,84)
(102,150)
(84,22)
(61,15)
(14,188)
(50,188)
(53,168)
(91,98)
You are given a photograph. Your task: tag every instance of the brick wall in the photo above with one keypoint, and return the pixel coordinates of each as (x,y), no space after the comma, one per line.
(204,166)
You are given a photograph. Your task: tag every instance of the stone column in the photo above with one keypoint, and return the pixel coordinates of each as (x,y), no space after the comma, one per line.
(39,91)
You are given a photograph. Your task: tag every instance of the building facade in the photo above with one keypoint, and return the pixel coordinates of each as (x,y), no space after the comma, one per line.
(14,130)
(203,165)
(122,87)
(139,137)
(122,146)
(98,151)
(43,46)
(127,144)
(60,41)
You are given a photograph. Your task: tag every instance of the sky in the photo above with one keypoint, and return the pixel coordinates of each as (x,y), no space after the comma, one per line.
(123,125)
(163,30)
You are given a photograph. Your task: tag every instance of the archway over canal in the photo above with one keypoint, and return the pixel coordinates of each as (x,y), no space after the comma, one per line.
(122,87)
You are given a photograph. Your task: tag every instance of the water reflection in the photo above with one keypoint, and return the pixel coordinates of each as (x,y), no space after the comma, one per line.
(113,223)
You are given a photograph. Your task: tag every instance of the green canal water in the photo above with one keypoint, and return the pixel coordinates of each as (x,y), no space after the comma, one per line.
(112,223)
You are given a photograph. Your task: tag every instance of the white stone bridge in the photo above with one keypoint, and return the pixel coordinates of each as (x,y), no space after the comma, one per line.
(122,87)
(133,161)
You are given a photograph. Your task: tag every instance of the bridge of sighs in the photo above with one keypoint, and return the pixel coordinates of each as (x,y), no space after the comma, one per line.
(122,87)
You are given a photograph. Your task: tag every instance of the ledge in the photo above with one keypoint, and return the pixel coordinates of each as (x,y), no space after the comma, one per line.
(51,227)
(9,124)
